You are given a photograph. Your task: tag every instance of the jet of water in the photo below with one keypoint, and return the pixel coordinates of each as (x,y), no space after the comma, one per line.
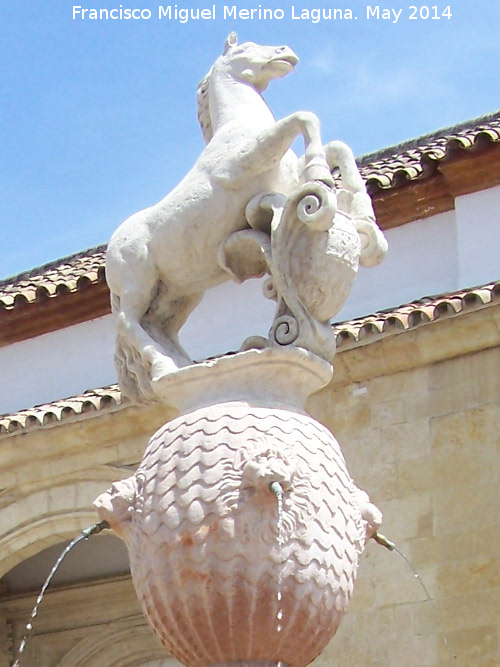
(277,489)
(84,535)
(390,546)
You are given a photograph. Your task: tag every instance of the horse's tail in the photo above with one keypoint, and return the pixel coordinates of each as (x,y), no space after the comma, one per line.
(133,380)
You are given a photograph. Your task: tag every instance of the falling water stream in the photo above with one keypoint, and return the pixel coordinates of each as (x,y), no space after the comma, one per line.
(84,535)
(280,539)
(277,489)
(383,541)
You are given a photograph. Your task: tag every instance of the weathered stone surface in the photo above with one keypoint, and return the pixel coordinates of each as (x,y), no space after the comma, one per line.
(380,633)
(242,212)
(200,520)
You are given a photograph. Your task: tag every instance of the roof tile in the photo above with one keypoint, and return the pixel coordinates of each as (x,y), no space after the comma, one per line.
(383,170)
(419,158)
(367,329)
(71,274)
(349,334)
(100,400)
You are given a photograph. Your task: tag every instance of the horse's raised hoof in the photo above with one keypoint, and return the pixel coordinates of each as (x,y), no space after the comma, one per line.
(255,343)
(162,367)
(317,170)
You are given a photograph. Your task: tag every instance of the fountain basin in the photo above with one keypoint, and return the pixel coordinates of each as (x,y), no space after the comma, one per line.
(200,520)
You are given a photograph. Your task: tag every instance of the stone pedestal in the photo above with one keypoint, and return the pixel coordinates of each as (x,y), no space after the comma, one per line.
(201,522)
(243,525)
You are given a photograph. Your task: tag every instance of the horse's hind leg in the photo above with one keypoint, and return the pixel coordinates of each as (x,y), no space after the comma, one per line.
(180,317)
(165,321)
(134,303)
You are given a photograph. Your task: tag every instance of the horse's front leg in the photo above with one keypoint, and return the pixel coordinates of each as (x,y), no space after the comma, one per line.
(338,154)
(272,144)
(373,242)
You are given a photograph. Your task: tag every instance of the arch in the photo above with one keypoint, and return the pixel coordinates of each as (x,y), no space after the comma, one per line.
(123,645)
(46,517)
(33,537)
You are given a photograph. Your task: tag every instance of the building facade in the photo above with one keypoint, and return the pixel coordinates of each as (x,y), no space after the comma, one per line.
(414,403)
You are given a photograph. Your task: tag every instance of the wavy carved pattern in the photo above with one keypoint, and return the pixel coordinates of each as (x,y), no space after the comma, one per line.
(208,577)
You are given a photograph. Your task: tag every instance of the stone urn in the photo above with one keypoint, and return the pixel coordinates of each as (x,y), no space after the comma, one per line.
(243,526)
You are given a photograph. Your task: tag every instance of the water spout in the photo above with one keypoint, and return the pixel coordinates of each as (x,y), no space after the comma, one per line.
(95,529)
(277,489)
(383,541)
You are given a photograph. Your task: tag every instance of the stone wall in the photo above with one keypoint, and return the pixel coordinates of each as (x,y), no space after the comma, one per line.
(418,417)
(425,443)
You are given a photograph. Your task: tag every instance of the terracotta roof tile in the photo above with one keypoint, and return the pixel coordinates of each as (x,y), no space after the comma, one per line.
(410,316)
(349,334)
(67,275)
(383,170)
(93,401)
(419,158)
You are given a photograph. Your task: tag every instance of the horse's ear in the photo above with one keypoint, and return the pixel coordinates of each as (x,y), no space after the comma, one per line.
(232,40)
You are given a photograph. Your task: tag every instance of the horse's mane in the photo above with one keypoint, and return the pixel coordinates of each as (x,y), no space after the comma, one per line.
(202,94)
(204,109)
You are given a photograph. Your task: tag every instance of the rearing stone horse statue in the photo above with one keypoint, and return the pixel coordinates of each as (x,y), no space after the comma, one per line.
(161,260)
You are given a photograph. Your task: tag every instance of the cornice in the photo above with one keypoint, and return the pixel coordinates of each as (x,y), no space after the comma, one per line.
(350,335)
(411,181)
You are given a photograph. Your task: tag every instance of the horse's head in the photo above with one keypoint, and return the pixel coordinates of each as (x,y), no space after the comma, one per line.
(256,64)
(249,63)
